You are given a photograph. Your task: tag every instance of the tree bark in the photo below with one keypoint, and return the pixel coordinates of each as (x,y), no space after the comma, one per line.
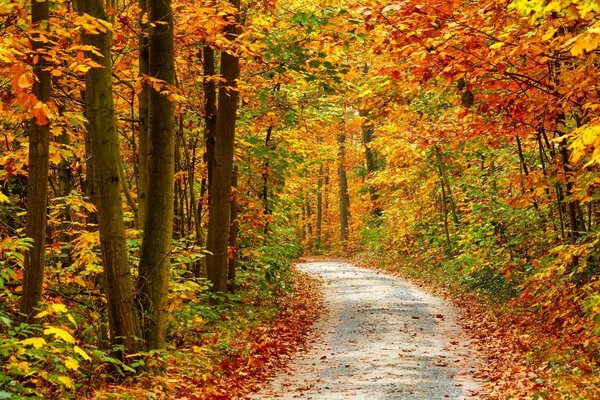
(319,227)
(37,192)
(367,136)
(210,110)
(125,325)
(344,197)
(442,170)
(233,233)
(220,187)
(265,178)
(155,258)
(143,99)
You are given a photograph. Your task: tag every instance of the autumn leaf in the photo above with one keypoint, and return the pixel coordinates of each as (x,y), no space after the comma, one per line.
(82,353)
(59,334)
(65,380)
(36,342)
(71,363)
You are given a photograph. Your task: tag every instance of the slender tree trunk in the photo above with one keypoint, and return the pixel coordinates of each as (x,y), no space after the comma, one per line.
(210,110)
(367,137)
(200,268)
(124,319)
(233,233)
(571,205)
(445,213)
(64,187)
(326,202)
(525,169)
(144,97)
(442,170)
(210,125)
(344,197)
(220,187)
(265,178)
(37,191)
(318,243)
(155,258)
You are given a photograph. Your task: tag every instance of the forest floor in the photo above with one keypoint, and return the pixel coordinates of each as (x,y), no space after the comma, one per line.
(380,337)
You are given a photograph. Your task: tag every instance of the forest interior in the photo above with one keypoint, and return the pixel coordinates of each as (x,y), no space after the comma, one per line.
(164,164)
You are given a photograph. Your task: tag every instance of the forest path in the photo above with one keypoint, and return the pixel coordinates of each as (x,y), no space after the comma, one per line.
(380,337)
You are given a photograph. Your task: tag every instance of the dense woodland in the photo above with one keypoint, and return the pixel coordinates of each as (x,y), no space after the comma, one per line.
(163,162)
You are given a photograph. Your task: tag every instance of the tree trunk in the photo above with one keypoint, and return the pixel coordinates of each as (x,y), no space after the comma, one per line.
(220,187)
(37,192)
(64,186)
(125,325)
(233,233)
(344,197)
(265,179)
(155,258)
(442,170)
(318,244)
(210,110)
(367,136)
(144,97)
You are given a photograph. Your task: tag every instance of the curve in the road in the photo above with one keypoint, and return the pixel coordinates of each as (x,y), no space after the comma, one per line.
(380,338)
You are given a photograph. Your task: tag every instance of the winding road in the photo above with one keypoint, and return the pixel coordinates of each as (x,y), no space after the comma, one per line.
(380,337)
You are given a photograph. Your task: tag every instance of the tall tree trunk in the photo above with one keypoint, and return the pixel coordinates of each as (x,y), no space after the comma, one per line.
(442,170)
(210,110)
(318,243)
(571,205)
(445,213)
(37,192)
(367,137)
(200,268)
(125,325)
(155,258)
(265,179)
(144,98)
(220,187)
(64,186)
(344,197)
(326,195)
(233,233)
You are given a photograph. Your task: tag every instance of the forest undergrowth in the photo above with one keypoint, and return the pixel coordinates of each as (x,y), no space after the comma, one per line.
(230,354)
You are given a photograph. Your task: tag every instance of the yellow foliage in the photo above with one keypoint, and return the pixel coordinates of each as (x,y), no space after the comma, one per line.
(71,363)
(36,342)
(59,334)
(65,380)
(82,353)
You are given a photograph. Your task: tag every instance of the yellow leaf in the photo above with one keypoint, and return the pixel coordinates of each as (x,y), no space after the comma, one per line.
(70,318)
(58,308)
(60,334)
(36,342)
(22,366)
(41,314)
(82,353)
(72,363)
(65,380)
(3,198)
(497,45)
(549,34)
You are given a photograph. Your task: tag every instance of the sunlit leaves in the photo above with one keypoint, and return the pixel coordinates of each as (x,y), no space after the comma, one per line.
(59,333)
(36,342)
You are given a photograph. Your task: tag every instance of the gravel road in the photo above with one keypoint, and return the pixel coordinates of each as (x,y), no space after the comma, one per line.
(380,337)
